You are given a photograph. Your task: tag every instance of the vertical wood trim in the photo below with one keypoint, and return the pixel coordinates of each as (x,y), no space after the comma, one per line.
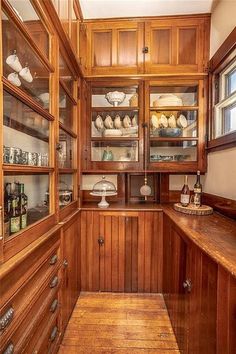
(83,228)
(95,261)
(114,253)
(134,252)
(141,253)
(148,217)
(101,268)
(128,254)
(121,254)
(222,330)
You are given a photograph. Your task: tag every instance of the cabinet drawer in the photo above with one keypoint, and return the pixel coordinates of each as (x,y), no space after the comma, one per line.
(25,269)
(45,307)
(15,309)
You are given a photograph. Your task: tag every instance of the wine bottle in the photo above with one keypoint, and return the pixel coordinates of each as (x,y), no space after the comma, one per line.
(14,210)
(23,207)
(185,193)
(197,186)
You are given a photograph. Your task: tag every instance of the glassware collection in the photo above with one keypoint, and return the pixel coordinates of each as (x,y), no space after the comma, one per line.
(15,155)
(15,208)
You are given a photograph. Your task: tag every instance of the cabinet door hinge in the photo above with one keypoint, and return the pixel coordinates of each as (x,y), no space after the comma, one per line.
(203,92)
(145,50)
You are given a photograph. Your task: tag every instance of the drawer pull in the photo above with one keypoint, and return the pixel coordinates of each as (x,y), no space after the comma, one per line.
(187,285)
(54,306)
(6,319)
(9,349)
(53,260)
(53,334)
(54,282)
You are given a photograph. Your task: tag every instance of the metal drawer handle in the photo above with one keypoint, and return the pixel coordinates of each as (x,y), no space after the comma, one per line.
(53,260)
(54,282)
(53,334)
(187,284)
(6,319)
(54,306)
(9,349)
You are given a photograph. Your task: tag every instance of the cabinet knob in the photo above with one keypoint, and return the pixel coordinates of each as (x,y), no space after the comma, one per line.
(53,334)
(145,50)
(54,306)
(65,263)
(101,241)
(187,284)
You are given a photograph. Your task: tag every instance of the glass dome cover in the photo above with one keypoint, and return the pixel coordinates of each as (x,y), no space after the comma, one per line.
(104,187)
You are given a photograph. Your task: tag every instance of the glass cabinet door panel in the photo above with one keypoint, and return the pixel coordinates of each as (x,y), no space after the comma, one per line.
(21,66)
(64,14)
(65,109)
(65,74)
(25,134)
(65,153)
(26,201)
(115,96)
(173,124)
(115,123)
(176,151)
(167,96)
(26,12)
(65,189)
(120,151)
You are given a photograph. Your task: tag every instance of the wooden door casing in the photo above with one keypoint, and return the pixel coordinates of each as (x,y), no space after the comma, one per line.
(130,260)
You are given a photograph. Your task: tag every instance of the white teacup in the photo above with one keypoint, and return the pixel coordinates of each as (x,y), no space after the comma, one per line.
(99,123)
(108,122)
(127,121)
(117,122)
(14,79)
(26,74)
(14,63)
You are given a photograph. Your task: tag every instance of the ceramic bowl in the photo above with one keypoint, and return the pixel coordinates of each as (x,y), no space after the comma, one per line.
(170,132)
(115,98)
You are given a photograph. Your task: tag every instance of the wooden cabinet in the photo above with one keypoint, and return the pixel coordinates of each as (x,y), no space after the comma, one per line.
(190,283)
(115,47)
(121,251)
(176,45)
(71,267)
(159,46)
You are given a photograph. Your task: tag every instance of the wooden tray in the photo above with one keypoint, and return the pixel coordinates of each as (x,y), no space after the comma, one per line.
(190,209)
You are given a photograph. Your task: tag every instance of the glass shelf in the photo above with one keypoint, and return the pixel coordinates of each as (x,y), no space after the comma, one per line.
(173,151)
(25,134)
(120,151)
(21,66)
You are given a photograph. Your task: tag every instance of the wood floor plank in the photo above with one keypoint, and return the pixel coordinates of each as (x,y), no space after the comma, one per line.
(118,324)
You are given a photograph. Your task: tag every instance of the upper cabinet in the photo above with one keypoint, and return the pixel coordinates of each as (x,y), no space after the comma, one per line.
(115,47)
(160,46)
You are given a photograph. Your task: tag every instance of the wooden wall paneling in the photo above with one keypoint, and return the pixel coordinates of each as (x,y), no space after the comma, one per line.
(208,306)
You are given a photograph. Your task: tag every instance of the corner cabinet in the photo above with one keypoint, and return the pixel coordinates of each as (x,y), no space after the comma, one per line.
(114,136)
(177,44)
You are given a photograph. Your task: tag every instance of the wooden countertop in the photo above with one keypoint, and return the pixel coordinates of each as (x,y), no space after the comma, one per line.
(214,234)
(142,206)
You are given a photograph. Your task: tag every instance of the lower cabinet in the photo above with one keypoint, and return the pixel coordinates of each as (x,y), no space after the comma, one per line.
(70,268)
(121,251)
(200,296)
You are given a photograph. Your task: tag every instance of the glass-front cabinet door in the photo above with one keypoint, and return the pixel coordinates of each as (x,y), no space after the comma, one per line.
(27,125)
(176,133)
(115,127)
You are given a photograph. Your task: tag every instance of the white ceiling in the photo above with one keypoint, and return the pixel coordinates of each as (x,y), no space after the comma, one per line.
(135,8)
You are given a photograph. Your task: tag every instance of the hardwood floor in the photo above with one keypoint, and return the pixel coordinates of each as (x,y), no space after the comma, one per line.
(119,323)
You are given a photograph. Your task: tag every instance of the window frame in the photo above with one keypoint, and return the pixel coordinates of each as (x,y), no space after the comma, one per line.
(219,67)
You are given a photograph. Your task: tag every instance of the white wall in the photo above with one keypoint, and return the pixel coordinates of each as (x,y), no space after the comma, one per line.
(221,177)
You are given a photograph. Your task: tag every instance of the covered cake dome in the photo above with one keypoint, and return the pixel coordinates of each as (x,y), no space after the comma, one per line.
(103,188)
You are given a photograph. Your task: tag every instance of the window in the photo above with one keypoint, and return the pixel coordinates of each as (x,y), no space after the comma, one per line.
(225,109)
(222,110)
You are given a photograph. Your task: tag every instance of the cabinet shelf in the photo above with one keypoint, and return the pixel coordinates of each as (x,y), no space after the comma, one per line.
(173,139)
(174,108)
(24,169)
(119,109)
(120,138)
(67,170)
